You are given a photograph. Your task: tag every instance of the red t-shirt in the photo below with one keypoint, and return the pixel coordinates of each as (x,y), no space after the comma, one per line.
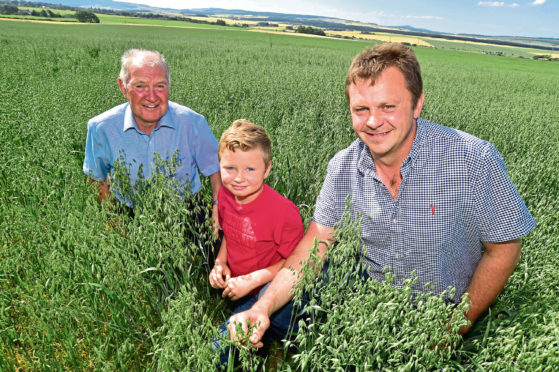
(260,233)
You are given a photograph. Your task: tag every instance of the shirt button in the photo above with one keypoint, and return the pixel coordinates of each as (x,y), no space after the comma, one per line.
(395,220)
(397,255)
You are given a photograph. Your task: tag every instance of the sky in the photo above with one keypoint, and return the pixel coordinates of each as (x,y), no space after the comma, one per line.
(533,18)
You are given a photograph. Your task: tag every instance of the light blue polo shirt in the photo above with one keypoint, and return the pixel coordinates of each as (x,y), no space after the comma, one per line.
(179,129)
(455,194)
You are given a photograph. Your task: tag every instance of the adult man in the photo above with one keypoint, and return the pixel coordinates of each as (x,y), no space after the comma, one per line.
(150,124)
(432,199)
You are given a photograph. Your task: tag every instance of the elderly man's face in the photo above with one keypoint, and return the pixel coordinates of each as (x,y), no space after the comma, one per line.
(148,94)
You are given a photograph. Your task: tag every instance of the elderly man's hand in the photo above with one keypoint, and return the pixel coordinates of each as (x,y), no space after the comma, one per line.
(255,317)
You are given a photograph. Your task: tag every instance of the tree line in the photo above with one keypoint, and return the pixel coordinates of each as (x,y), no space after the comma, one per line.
(81,15)
(310,30)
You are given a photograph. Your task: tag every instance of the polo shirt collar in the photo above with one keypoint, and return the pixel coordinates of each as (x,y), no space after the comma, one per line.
(130,123)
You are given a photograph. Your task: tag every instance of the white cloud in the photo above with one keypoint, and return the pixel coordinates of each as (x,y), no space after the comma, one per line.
(538,2)
(494,3)
(514,5)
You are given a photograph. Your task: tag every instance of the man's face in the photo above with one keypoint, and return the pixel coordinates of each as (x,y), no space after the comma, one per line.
(383,115)
(148,94)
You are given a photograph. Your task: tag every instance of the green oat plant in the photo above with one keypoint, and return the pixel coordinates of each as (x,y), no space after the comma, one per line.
(171,249)
(352,323)
(166,234)
(176,260)
(242,356)
(184,339)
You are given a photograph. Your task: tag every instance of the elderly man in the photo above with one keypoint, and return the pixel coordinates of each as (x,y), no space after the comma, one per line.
(433,200)
(148,124)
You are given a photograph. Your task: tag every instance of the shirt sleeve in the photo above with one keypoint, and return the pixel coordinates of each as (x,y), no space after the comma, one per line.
(330,205)
(290,232)
(205,148)
(502,214)
(96,161)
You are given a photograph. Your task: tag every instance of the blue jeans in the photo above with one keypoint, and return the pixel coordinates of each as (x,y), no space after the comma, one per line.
(279,324)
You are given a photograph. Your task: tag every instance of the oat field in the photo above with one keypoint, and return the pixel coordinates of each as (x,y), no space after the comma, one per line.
(85,288)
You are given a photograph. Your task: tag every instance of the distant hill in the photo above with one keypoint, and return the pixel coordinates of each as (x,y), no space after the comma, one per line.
(329,23)
(100,4)
(415,29)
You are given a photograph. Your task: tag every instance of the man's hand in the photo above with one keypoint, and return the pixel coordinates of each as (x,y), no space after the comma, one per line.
(220,275)
(238,287)
(254,316)
(103,189)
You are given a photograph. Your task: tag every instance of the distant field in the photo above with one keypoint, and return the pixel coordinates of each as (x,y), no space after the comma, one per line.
(57,11)
(84,288)
(235,22)
(114,19)
(385,38)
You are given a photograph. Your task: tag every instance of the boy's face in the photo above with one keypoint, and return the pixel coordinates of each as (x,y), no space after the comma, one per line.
(243,173)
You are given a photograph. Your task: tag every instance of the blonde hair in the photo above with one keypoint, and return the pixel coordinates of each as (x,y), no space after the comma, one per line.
(371,63)
(244,135)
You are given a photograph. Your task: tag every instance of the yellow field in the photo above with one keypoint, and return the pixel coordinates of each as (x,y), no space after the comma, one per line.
(225,18)
(351,23)
(457,41)
(380,37)
(238,21)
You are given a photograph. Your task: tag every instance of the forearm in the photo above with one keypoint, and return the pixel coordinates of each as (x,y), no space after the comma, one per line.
(261,277)
(280,290)
(278,293)
(103,189)
(215,181)
(222,254)
(495,267)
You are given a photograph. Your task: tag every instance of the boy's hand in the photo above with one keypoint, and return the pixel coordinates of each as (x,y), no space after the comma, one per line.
(238,287)
(220,275)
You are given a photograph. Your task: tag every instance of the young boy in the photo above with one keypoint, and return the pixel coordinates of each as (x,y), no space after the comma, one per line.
(260,227)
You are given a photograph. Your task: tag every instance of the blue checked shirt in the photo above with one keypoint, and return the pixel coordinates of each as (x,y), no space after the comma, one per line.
(179,129)
(455,194)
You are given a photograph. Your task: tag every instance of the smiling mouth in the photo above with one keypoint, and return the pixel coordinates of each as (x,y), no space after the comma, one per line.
(377,134)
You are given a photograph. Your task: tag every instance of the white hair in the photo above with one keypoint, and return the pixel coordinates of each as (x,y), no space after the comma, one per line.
(142,57)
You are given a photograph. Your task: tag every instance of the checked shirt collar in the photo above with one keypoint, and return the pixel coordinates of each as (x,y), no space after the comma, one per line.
(366,164)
